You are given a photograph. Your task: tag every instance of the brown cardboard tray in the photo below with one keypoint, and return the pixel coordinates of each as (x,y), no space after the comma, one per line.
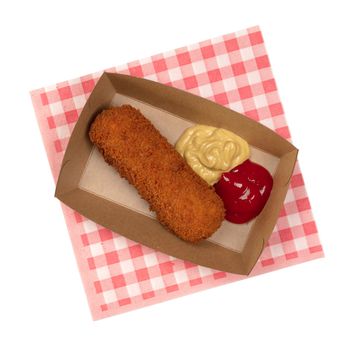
(94,189)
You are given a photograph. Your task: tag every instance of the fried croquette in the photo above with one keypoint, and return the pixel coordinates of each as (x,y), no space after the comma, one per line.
(182,201)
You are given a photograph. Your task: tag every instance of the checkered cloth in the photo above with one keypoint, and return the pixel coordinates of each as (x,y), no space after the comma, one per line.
(120,275)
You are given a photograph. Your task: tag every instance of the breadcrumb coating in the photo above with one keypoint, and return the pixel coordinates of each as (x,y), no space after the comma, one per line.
(182,201)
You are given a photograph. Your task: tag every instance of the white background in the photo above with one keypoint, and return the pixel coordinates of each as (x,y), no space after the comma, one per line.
(311,46)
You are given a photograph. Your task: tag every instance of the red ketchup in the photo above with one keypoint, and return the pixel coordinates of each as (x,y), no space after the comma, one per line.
(244,191)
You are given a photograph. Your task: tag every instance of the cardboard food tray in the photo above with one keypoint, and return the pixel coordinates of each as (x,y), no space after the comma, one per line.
(90,186)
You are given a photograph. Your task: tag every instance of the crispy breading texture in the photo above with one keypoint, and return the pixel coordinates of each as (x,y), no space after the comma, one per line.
(183,202)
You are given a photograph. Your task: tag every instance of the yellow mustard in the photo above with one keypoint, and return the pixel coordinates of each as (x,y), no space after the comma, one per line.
(211,151)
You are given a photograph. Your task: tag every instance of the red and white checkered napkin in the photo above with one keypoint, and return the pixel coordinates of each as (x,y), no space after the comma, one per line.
(120,275)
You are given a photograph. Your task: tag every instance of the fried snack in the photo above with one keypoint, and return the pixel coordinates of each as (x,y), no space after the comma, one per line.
(183,202)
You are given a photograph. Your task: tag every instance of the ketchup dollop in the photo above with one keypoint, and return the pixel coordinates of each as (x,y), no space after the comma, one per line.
(244,191)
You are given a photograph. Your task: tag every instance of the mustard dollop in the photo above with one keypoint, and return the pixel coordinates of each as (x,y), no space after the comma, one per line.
(211,151)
